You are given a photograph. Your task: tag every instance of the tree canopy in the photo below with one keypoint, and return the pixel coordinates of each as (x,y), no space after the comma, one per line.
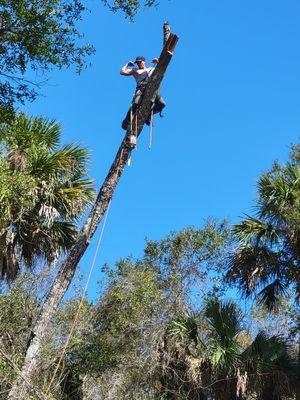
(39,35)
(147,337)
(50,191)
(266,262)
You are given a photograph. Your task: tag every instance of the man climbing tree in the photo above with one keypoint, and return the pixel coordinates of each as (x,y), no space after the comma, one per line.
(25,382)
(141,75)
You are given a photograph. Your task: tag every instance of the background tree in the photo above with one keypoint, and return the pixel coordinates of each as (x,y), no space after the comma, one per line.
(19,307)
(129,7)
(266,263)
(147,342)
(50,191)
(37,36)
(145,339)
(122,351)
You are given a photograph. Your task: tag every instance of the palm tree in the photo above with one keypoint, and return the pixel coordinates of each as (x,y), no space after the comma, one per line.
(267,260)
(224,344)
(270,367)
(201,353)
(268,256)
(43,191)
(209,356)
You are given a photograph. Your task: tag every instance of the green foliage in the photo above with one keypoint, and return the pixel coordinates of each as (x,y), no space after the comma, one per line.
(267,259)
(143,342)
(185,327)
(18,308)
(225,321)
(267,354)
(208,355)
(189,257)
(129,7)
(37,35)
(132,298)
(133,314)
(50,191)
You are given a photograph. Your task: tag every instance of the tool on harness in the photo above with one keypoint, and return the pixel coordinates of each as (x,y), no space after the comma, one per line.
(132,137)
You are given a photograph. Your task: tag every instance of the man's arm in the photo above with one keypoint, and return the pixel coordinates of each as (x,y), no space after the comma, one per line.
(128,71)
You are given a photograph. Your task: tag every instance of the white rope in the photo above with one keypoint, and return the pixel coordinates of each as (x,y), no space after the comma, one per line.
(80,303)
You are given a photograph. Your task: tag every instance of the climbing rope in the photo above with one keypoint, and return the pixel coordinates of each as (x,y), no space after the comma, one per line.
(131,118)
(136,129)
(75,319)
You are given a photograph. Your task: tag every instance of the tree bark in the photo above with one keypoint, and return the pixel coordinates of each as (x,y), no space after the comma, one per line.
(23,384)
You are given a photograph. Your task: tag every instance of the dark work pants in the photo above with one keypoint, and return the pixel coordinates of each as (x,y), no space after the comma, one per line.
(158,101)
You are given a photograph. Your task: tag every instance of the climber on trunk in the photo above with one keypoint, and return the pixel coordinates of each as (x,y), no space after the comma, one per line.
(142,75)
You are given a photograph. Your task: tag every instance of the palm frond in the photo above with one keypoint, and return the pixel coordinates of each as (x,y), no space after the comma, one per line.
(45,165)
(267,354)
(77,156)
(225,321)
(71,197)
(46,132)
(250,267)
(185,327)
(28,133)
(278,194)
(63,233)
(270,295)
(254,231)
(65,162)
(36,240)
(224,317)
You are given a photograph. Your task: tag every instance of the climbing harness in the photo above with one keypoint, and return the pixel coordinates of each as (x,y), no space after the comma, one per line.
(75,319)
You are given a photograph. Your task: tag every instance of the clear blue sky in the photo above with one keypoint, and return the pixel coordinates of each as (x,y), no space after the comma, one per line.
(233,101)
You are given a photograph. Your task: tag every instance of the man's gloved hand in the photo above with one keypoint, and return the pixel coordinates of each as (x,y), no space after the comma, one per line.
(130,64)
(155,60)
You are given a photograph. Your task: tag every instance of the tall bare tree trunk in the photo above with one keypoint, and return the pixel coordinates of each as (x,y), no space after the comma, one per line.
(24,384)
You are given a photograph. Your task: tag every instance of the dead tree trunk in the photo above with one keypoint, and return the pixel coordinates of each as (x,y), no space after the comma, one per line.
(23,384)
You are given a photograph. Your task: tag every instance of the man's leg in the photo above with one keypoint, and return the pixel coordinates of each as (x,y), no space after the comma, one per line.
(159,105)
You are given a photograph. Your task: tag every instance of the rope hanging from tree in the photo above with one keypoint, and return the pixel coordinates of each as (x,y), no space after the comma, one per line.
(80,304)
